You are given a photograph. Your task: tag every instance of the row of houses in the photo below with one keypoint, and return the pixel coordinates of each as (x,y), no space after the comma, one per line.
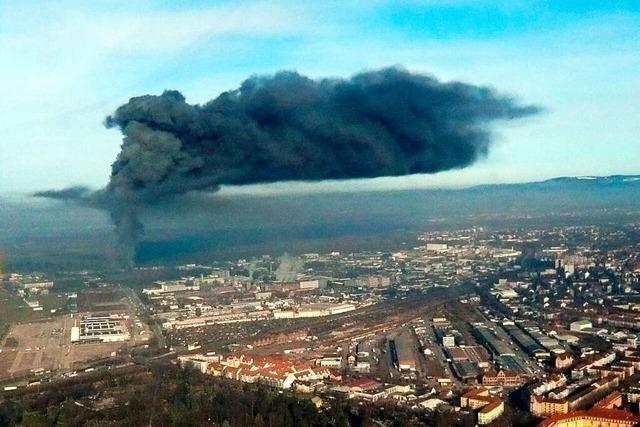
(574,397)
(371,390)
(503,378)
(275,371)
(489,407)
(301,375)
(594,417)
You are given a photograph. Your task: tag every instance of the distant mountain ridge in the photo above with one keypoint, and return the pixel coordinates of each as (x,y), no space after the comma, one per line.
(567,181)
(42,234)
(571,182)
(608,180)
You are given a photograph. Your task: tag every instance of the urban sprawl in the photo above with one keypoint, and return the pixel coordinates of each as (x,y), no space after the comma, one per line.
(472,323)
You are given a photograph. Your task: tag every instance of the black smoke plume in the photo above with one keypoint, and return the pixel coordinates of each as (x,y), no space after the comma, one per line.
(78,192)
(288,127)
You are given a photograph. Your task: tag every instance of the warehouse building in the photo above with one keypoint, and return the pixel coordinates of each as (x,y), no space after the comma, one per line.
(99,329)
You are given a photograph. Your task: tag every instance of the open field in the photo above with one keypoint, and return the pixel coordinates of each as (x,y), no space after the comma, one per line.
(40,345)
(112,300)
(13,309)
(45,346)
(38,341)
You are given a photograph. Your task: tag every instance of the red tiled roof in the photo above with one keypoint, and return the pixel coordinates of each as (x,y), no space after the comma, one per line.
(491,406)
(609,414)
(475,392)
(363,383)
(608,400)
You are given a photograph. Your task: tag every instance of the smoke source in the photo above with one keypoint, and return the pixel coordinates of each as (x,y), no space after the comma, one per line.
(288,127)
(288,268)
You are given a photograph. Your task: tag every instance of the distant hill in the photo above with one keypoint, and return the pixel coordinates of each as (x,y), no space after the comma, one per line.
(39,233)
(580,182)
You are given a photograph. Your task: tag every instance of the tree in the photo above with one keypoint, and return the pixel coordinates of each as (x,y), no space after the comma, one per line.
(10,413)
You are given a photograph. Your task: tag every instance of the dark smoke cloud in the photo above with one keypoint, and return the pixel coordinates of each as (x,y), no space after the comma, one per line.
(288,127)
(72,193)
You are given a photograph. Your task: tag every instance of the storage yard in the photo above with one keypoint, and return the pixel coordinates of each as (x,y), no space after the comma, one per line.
(46,346)
(66,342)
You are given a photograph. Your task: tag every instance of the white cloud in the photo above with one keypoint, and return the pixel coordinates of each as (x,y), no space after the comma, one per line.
(65,65)
(165,32)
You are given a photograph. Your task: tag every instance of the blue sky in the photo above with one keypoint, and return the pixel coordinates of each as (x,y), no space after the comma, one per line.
(65,65)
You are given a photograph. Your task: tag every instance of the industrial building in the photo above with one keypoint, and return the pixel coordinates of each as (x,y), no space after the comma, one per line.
(402,352)
(525,341)
(314,310)
(496,345)
(99,329)
(37,286)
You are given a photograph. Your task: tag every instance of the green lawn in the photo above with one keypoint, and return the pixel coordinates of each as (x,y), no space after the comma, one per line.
(14,310)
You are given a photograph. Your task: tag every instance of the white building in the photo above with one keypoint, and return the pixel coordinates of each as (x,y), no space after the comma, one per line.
(330,361)
(199,362)
(37,286)
(449,341)
(309,284)
(100,329)
(580,325)
(437,247)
